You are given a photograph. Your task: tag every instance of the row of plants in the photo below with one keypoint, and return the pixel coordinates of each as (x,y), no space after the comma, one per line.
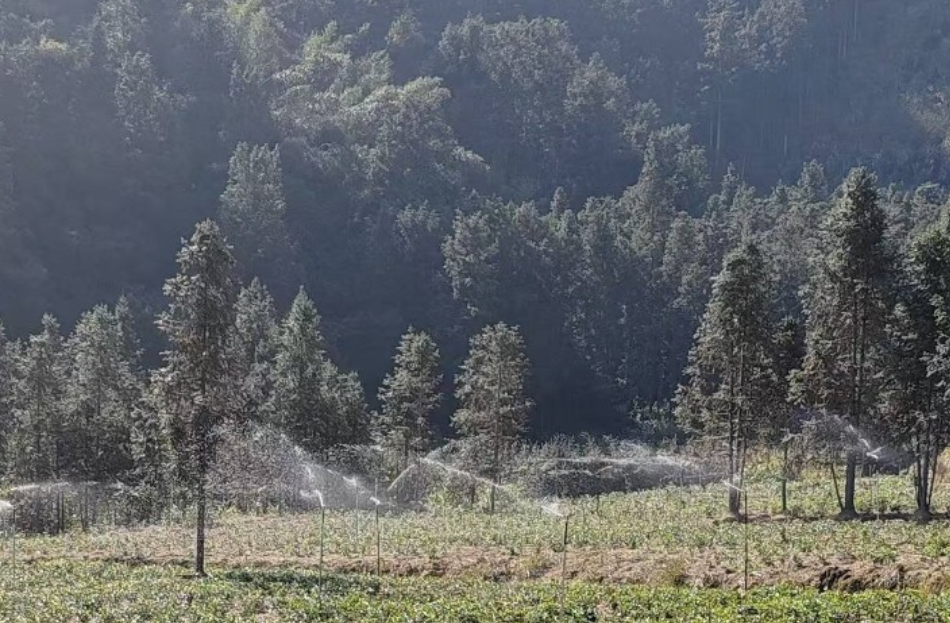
(71,591)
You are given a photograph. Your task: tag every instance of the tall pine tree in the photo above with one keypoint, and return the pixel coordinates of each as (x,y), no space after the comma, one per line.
(731,365)
(917,363)
(299,403)
(409,397)
(102,392)
(847,303)
(195,385)
(493,405)
(37,442)
(256,334)
(252,213)
(7,387)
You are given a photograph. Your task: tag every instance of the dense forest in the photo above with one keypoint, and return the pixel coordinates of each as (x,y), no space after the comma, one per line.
(578,170)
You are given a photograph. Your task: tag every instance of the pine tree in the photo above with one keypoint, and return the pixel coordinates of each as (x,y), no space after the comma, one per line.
(131,345)
(252,214)
(847,302)
(409,396)
(917,370)
(7,388)
(788,348)
(494,408)
(317,404)
(348,418)
(150,450)
(36,450)
(256,334)
(731,375)
(299,404)
(196,384)
(102,392)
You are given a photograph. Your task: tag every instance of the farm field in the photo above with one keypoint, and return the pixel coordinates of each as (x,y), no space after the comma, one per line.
(668,554)
(84,591)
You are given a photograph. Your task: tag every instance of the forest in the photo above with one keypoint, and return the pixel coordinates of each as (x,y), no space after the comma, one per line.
(655,218)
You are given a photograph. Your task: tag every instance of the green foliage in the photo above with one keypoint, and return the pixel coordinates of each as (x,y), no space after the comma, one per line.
(101,395)
(252,216)
(195,387)
(493,408)
(409,396)
(316,403)
(732,372)
(36,447)
(61,591)
(344,141)
(256,335)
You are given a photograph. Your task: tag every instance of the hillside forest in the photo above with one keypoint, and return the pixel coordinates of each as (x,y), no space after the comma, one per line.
(662,219)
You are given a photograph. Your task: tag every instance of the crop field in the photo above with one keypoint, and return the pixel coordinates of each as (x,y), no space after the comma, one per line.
(667,554)
(85,591)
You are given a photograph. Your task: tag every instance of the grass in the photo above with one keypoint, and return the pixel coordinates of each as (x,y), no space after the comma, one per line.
(661,555)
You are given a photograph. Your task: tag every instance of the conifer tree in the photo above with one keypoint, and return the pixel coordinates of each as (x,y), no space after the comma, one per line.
(409,396)
(299,404)
(917,378)
(252,213)
(36,450)
(7,387)
(102,391)
(131,345)
(847,302)
(195,385)
(493,406)
(731,375)
(788,348)
(317,404)
(149,447)
(348,419)
(256,334)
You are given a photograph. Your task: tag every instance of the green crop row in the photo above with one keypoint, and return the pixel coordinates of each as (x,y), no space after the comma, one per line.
(98,593)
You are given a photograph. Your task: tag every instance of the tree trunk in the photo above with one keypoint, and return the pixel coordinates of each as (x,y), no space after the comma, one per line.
(200,529)
(733,455)
(923,479)
(785,479)
(848,510)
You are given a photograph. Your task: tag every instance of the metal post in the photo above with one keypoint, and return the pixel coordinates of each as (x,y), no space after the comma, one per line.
(745,581)
(564,542)
(13,540)
(567,521)
(323,523)
(379,564)
(359,543)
